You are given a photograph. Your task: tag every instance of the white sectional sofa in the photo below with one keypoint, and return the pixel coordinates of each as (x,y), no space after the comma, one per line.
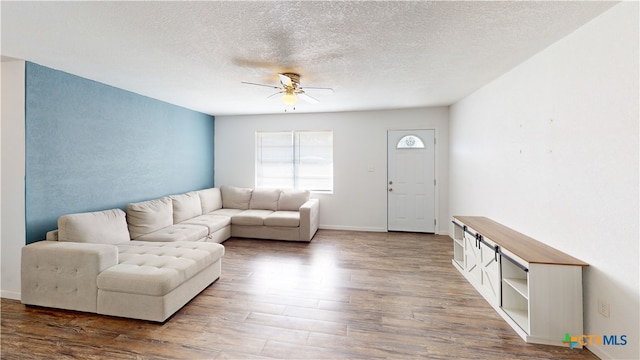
(150,261)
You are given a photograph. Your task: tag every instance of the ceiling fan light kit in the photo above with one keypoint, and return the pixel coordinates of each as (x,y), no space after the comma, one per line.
(289,98)
(290,89)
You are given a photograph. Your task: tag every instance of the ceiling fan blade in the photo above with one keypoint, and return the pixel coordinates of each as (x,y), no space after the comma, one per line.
(285,80)
(271,86)
(272,95)
(320,90)
(302,95)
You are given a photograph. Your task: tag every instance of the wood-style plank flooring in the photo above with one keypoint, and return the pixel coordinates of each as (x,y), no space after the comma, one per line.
(345,295)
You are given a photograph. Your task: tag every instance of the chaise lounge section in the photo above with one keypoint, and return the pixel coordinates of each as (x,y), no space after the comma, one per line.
(95,267)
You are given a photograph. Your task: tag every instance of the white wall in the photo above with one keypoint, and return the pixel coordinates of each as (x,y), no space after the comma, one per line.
(359,201)
(551,149)
(12,143)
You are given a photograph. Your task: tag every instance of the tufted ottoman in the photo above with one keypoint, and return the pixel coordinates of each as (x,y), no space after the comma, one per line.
(154,280)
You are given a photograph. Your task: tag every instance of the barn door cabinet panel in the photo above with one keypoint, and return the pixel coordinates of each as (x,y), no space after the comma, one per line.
(534,287)
(476,257)
(472,257)
(490,271)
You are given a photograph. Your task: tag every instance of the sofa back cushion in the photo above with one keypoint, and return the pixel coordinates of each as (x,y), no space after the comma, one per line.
(100,227)
(235,197)
(148,216)
(210,199)
(292,199)
(264,199)
(186,206)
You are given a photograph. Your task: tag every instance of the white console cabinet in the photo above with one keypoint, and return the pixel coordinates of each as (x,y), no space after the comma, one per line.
(534,287)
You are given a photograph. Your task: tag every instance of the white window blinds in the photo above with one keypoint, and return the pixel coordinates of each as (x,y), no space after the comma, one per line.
(295,159)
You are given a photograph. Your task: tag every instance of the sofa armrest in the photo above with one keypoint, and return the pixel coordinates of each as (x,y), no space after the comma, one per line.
(63,274)
(52,235)
(309,219)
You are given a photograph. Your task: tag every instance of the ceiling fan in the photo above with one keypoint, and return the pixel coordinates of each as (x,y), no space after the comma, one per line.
(291,90)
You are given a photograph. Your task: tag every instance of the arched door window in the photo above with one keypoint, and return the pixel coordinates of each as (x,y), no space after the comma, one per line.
(410,142)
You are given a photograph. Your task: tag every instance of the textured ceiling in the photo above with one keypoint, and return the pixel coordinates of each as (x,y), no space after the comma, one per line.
(376,55)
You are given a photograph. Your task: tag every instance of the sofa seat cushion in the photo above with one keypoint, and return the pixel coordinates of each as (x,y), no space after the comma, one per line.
(226,212)
(178,232)
(101,227)
(283,218)
(212,222)
(250,217)
(157,268)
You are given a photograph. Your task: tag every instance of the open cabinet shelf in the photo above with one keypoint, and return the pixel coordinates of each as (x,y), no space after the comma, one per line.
(519,285)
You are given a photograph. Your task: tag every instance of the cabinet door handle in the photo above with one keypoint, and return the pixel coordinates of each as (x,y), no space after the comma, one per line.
(495,254)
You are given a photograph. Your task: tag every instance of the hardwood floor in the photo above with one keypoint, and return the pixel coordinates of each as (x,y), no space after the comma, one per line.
(345,295)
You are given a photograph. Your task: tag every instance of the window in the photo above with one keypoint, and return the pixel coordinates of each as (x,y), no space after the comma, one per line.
(295,159)
(410,142)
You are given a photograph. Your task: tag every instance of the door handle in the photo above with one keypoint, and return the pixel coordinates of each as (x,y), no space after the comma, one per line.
(390,189)
(390,182)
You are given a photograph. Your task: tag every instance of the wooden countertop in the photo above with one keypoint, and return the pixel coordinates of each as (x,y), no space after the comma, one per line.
(528,249)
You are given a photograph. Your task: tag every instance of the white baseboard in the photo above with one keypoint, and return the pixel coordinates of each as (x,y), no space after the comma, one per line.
(366,229)
(10,295)
(600,352)
(597,351)
(352,228)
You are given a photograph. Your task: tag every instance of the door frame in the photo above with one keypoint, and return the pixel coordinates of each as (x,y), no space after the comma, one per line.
(436,174)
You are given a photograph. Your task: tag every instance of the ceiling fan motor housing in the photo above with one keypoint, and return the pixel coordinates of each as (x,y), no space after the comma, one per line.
(295,79)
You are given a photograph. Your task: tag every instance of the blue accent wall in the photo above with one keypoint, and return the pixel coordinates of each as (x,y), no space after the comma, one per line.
(91,147)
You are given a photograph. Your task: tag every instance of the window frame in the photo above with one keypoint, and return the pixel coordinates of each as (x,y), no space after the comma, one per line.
(299,149)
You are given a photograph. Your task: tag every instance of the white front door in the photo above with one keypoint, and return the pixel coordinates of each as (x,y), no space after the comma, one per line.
(411,180)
